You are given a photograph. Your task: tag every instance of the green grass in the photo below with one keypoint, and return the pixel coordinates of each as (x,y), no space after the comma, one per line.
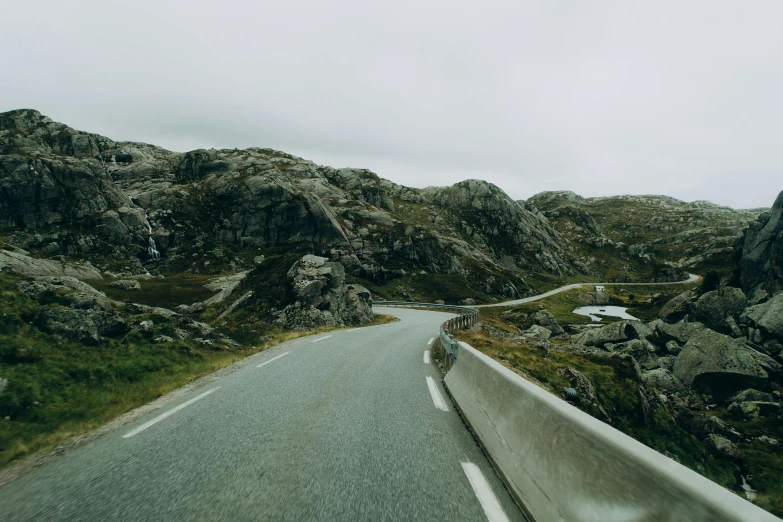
(58,389)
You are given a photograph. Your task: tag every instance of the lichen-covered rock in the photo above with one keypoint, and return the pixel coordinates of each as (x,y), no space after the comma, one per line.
(548,321)
(74,325)
(126,284)
(80,300)
(323,298)
(616,332)
(716,307)
(766,317)
(147,328)
(662,381)
(723,447)
(676,308)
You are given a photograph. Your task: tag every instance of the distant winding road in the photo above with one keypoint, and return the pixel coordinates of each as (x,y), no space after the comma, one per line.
(350,425)
(692,278)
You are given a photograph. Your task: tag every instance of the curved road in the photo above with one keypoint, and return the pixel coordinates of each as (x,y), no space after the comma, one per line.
(692,278)
(352,425)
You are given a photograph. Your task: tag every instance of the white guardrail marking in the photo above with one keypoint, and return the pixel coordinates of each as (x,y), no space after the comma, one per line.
(272,359)
(167,414)
(437,398)
(322,338)
(426,356)
(486,497)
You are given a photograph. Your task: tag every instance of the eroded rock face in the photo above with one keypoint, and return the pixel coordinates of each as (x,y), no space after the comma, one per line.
(323,298)
(759,253)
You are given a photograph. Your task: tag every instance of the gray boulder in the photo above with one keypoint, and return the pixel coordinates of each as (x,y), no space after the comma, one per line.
(323,298)
(126,284)
(548,321)
(676,308)
(74,325)
(714,308)
(617,332)
(723,447)
(662,381)
(719,365)
(147,329)
(36,289)
(766,317)
(82,301)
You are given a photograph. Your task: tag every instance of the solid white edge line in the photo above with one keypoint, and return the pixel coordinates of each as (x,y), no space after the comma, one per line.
(272,359)
(486,497)
(430,341)
(437,398)
(353,329)
(322,338)
(426,356)
(172,411)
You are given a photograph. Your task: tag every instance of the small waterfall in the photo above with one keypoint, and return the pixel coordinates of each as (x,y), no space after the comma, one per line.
(152,249)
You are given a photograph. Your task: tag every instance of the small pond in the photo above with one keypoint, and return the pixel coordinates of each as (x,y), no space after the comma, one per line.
(610,311)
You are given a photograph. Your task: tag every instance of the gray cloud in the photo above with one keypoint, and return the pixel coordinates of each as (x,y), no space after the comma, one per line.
(602,98)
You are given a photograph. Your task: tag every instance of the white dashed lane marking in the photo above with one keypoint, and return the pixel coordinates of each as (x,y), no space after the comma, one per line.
(486,497)
(437,398)
(272,359)
(167,414)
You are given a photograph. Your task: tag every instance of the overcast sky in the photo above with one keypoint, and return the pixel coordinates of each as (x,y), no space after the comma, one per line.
(599,97)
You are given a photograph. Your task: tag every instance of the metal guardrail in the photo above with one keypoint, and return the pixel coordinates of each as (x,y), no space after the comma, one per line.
(468,318)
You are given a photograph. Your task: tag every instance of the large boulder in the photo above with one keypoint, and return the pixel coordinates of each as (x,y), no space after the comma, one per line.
(548,321)
(617,332)
(766,317)
(719,365)
(74,325)
(126,284)
(323,298)
(676,308)
(759,253)
(716,307)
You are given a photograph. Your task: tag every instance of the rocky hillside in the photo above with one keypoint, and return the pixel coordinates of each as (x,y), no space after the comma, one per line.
(645,238)
(134,208)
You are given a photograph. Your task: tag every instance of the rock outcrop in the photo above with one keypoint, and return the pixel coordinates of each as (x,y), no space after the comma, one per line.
(323,298)
(759,253)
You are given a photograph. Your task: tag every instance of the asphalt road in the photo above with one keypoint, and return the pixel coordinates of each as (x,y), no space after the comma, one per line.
(341,426)
(692,278)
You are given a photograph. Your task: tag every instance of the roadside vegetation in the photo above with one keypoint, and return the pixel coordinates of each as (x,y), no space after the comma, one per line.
(618,400)
(58,389)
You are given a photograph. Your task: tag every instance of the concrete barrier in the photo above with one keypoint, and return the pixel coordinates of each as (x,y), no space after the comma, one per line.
(564,464)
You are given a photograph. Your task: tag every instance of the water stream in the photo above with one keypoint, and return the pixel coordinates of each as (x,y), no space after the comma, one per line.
(611,311)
